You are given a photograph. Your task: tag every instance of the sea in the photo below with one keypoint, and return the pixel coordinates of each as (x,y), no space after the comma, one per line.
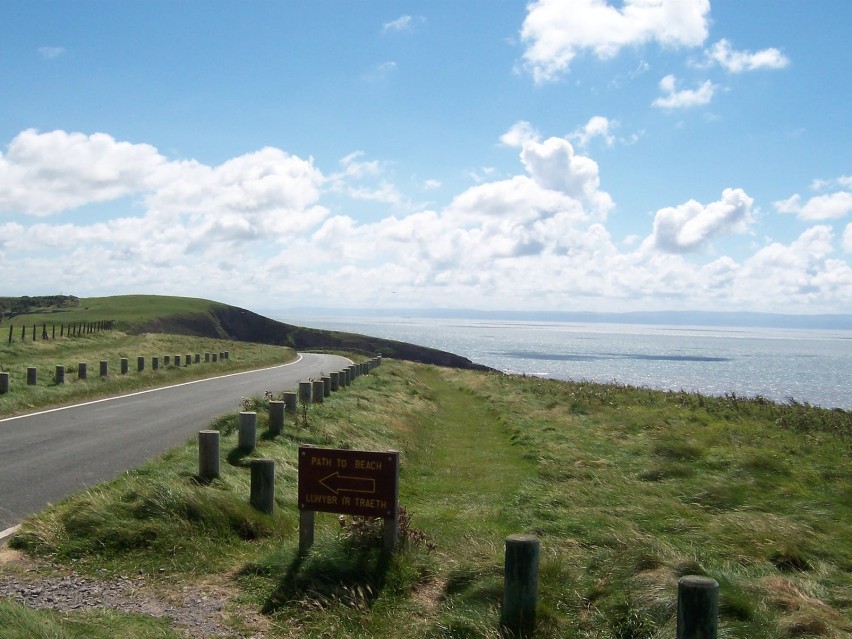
(811,366)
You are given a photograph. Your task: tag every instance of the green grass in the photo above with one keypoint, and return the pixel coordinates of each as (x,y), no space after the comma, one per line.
(126,310)
(18,622)
(627,489)
(112,346)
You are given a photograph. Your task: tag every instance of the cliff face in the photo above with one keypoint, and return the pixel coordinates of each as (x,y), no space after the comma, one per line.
(230,322)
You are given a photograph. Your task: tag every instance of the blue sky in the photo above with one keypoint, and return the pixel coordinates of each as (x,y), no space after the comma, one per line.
(556,155)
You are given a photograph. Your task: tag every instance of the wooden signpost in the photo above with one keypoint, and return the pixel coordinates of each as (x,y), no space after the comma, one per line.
(349,482)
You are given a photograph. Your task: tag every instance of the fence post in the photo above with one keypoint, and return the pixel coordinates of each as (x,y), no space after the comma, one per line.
(247,438)
(263,485)
(318,392)
(4,383)
(305,392)
(697,607)
(290,400)
(32,376)
(208,454)
(82,370)
(520,585)
(276,417)
(59,377)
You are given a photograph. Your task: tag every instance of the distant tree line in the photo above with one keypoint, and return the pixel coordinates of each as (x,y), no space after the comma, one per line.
(12,306)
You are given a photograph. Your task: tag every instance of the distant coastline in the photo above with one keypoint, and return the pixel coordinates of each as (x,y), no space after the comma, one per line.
(666,318)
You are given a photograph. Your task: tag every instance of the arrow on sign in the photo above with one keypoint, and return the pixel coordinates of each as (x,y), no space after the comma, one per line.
(341,483)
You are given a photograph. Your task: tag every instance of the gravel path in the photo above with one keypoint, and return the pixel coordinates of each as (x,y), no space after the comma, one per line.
(195,611)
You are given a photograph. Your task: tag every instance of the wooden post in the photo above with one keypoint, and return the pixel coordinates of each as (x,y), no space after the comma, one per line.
(104,368)
(10,333)
(318,392)
(215,358)
(247,438)
(326,386)
(188,359)
(206,358)
(290,400)
(335,381)
(697,607)
(520,585)
(140,363)
(155,363)
(276,417)
(4,383)
(305,392)
(125,365)
(263,485)
(198,358)
(306,530)
(167,359)
(82,370)
(227,355)
(208,454)
(59,376)
(32,376)
(177,361)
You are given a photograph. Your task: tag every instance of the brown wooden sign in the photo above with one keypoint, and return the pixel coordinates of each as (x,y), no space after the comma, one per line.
(350,482)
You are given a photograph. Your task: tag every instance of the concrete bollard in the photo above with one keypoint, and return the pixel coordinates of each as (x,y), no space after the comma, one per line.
(4,383)
(247,438)
(215,358)
(125,365)
(198,358)
(697,607)
(82,370)
(346,377)
(276,417)
(59,376)
(32,376)
(290,400)
(221,356)
(188,360)
(155,363)
(263,485)
(227,355)
(353,372)
(326,386)
(140,364)
(167,359)
(335,381)
(318,392)
(104,368)
(305,392)
(208,454)
(177,361)
(206,358)
(520,585)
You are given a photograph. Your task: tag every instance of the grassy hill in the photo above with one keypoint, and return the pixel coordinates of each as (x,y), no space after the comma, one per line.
(136,314)
(626,488)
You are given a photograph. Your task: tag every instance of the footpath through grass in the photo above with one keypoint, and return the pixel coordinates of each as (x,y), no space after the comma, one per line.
(628,489)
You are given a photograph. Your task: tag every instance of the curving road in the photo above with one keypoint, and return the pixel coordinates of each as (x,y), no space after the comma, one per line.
(48,455)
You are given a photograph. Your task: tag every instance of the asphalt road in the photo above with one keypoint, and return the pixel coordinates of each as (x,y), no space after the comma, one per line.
(48,455)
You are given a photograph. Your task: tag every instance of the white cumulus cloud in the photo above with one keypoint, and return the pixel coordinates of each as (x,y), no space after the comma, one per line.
(685,98)
(723,54)
(829,206)
(692,225)
(556,31)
